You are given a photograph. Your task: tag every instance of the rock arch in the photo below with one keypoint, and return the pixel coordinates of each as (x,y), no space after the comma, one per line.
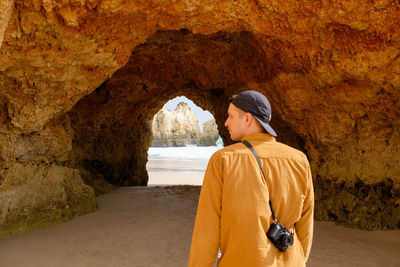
(207,69)
(79,81)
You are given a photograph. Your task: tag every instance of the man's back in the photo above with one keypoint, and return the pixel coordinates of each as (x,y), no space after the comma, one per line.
(235,192)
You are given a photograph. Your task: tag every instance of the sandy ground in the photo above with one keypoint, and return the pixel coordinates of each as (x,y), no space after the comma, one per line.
(152,226)
(174,179)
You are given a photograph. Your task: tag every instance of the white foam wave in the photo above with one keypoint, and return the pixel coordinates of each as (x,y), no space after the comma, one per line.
(188,152)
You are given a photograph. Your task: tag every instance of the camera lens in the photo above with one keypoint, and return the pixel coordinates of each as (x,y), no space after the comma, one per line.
(287,240)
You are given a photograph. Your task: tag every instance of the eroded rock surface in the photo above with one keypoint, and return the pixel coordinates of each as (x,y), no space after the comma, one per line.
(176,128)
(210,134)
(34,196)
(80,82)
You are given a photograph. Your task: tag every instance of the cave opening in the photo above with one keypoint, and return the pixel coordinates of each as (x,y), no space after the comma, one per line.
(112,125)
(184,138)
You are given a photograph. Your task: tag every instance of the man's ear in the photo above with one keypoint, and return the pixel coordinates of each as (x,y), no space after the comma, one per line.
(248,119)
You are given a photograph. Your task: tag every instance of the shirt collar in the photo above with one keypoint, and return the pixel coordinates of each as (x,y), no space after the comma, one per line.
(259,137)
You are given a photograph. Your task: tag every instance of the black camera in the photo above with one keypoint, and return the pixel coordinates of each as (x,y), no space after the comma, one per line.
(280,236)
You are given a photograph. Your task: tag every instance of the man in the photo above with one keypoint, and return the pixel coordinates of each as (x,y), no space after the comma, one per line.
(233,214)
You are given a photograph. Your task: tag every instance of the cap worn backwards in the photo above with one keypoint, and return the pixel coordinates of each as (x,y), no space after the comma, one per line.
(257,105)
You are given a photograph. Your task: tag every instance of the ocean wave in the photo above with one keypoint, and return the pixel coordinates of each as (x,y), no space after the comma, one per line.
(187,152)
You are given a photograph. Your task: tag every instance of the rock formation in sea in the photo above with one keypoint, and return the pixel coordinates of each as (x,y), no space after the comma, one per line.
(210,134)
(80,82)
(175,128)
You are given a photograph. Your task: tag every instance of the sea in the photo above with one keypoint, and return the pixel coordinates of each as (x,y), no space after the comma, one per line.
(180,160)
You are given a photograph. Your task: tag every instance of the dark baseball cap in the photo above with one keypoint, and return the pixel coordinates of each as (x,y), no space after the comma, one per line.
(257,105)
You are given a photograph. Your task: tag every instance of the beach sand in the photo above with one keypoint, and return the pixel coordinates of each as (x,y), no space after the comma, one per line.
(152,226)
(168,178)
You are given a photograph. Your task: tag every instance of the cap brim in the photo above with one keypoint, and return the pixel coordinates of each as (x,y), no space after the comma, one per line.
(267,127)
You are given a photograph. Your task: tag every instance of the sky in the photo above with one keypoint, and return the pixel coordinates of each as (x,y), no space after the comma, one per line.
(202,115)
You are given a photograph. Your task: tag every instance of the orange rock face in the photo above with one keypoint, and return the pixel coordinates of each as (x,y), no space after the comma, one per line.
(80,81)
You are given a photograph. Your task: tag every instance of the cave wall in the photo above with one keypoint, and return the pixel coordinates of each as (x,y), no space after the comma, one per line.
(80,80)
(210,68)
(157,71)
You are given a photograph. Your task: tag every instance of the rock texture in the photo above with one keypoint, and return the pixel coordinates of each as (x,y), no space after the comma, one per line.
(176,128)
(210,134)
(6,7)
(81,80)
(33,196)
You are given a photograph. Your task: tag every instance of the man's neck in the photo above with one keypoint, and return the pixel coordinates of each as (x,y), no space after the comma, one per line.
(254,131)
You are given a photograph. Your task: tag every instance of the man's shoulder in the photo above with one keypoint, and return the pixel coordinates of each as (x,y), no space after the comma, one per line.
(286,151)
(236,148)
(264,150)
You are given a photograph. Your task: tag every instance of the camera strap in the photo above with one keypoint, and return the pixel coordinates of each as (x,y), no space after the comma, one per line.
(249,146)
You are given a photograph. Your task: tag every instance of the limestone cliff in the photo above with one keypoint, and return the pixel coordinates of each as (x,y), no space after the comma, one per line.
(81,80)
(175,128)
(210,134)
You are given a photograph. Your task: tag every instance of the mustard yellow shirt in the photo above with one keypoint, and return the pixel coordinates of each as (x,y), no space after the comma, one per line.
(233,214)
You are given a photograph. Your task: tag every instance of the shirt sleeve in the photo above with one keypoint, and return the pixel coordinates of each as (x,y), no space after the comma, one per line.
(206,232)
(305,226)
